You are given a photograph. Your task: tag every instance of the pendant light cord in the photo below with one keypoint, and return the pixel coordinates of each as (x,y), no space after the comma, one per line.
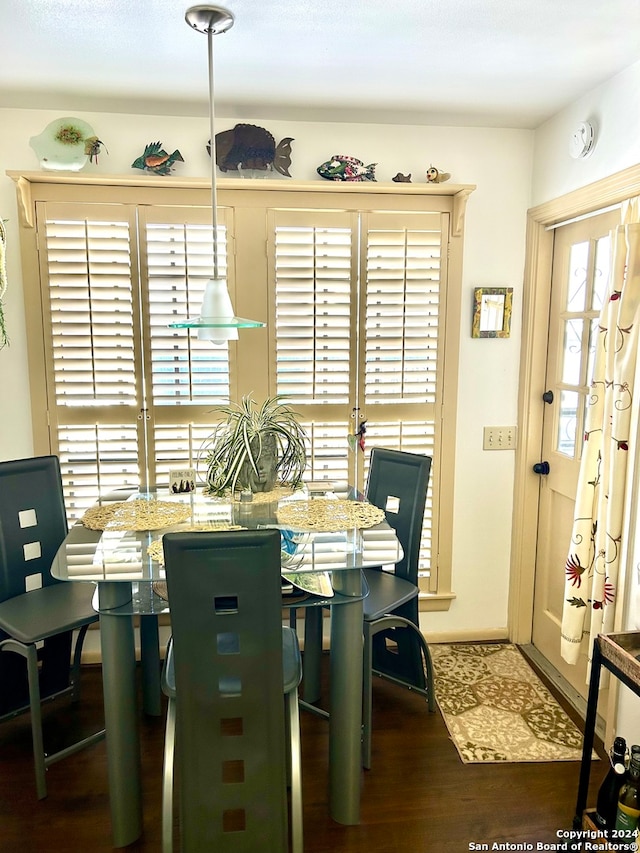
(212,144)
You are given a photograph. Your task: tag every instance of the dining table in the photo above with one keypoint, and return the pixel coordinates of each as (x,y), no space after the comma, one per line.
(320,567)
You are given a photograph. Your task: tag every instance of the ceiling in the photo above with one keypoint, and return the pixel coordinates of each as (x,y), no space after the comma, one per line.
(499,63)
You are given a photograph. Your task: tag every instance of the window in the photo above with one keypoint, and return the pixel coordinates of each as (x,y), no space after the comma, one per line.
(357,290)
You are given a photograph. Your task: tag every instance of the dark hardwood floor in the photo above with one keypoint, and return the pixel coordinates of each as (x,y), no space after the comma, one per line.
(418,797)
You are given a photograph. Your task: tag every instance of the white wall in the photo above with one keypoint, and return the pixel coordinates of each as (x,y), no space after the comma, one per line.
(498,161)
(613,109)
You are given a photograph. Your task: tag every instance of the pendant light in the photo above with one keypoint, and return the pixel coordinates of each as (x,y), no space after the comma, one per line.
(217,321)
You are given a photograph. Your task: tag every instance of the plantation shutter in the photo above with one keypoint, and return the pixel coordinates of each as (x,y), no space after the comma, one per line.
(325,265)
(400,344)
(351,283)
(88,261)
(313,265)
(188,376)
(107,432)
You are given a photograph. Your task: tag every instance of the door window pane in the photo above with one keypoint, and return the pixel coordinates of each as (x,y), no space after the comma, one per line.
(567,420)
(601,274)
(577,281)
(572,352)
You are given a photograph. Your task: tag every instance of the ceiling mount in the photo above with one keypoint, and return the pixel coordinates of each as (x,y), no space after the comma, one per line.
(209,19)
(217,321)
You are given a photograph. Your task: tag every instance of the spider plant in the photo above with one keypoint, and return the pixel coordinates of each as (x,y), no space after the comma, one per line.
(255,446)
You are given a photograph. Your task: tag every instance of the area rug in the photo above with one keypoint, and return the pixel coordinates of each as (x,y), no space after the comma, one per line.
(497,709)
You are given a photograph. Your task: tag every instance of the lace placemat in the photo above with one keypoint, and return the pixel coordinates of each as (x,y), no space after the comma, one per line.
(156,552)
(329,515)
(135,515)
(160,588)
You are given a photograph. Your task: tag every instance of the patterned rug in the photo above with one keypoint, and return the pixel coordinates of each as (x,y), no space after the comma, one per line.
(497,709)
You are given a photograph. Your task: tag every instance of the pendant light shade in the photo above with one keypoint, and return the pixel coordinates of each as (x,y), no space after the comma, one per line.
(216,302)
(217,321)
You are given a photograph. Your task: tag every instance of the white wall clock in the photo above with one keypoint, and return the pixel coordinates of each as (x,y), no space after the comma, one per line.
(582,140)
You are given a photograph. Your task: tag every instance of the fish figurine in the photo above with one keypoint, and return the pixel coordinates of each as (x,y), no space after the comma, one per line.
(247,146)
(344,168)
(402,179)
(435,176)
(156,160)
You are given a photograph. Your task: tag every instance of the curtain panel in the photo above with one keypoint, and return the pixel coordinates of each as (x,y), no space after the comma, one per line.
(593,561)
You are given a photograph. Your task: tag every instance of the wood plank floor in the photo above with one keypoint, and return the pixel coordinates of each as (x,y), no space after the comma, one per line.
(418,797)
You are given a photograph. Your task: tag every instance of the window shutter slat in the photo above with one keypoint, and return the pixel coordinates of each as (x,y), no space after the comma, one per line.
(91,312)
(180,262)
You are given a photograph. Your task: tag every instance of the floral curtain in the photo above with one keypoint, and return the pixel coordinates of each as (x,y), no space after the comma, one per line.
(591,571)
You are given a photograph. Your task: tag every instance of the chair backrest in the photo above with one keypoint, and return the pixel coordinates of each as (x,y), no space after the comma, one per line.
(33,523)
(397,483)
(226,615)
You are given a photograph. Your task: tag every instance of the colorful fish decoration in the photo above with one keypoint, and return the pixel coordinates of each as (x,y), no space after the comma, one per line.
(156,160)
(344,168)
(247,146)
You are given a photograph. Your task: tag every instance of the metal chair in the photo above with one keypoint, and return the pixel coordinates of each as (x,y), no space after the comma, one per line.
(394,647)
(228,664)
(38,614)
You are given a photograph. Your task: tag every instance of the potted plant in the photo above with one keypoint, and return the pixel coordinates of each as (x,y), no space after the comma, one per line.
(255,447)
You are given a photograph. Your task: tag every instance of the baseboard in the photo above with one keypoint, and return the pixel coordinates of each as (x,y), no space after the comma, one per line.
(562,685)
(483,635)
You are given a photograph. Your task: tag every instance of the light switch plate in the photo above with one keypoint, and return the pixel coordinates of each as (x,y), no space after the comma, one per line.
(499,438)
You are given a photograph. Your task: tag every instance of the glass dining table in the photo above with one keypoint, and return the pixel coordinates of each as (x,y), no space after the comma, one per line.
(126,566)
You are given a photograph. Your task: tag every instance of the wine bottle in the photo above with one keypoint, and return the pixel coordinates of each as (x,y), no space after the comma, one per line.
(628,812)
(607,802)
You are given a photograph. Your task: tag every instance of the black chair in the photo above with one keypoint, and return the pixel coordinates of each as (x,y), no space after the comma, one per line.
(394,647)
(228,664)
(38,614)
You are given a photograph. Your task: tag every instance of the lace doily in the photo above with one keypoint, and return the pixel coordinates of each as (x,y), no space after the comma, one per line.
(135,515)
(329,515)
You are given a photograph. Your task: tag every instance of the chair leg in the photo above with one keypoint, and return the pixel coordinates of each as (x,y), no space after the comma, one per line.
(167,778)
(312,654)
(36,721)
(293,717)
(431,692)
(370,629)
(367,710)
(75,668)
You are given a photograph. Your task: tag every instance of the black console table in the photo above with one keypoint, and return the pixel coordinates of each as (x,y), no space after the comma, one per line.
(620,654)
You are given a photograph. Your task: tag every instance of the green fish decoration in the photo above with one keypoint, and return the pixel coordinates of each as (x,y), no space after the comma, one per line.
(156,160)
(344,168)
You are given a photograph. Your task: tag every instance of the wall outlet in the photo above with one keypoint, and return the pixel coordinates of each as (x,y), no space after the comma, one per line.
(499,438)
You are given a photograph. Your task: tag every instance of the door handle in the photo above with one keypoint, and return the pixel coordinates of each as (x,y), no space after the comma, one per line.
(541,468)
(548,396)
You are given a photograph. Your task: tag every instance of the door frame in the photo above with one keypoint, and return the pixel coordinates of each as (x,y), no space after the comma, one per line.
(533,354)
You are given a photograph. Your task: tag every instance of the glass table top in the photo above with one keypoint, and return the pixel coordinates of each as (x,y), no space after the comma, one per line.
(135,556)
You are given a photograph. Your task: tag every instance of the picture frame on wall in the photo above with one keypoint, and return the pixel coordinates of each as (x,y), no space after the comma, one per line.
(492,312)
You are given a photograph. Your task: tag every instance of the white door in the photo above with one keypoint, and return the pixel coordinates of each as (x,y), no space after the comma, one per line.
(579,282)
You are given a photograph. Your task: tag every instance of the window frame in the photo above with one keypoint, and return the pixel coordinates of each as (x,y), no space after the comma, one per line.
(247,197)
